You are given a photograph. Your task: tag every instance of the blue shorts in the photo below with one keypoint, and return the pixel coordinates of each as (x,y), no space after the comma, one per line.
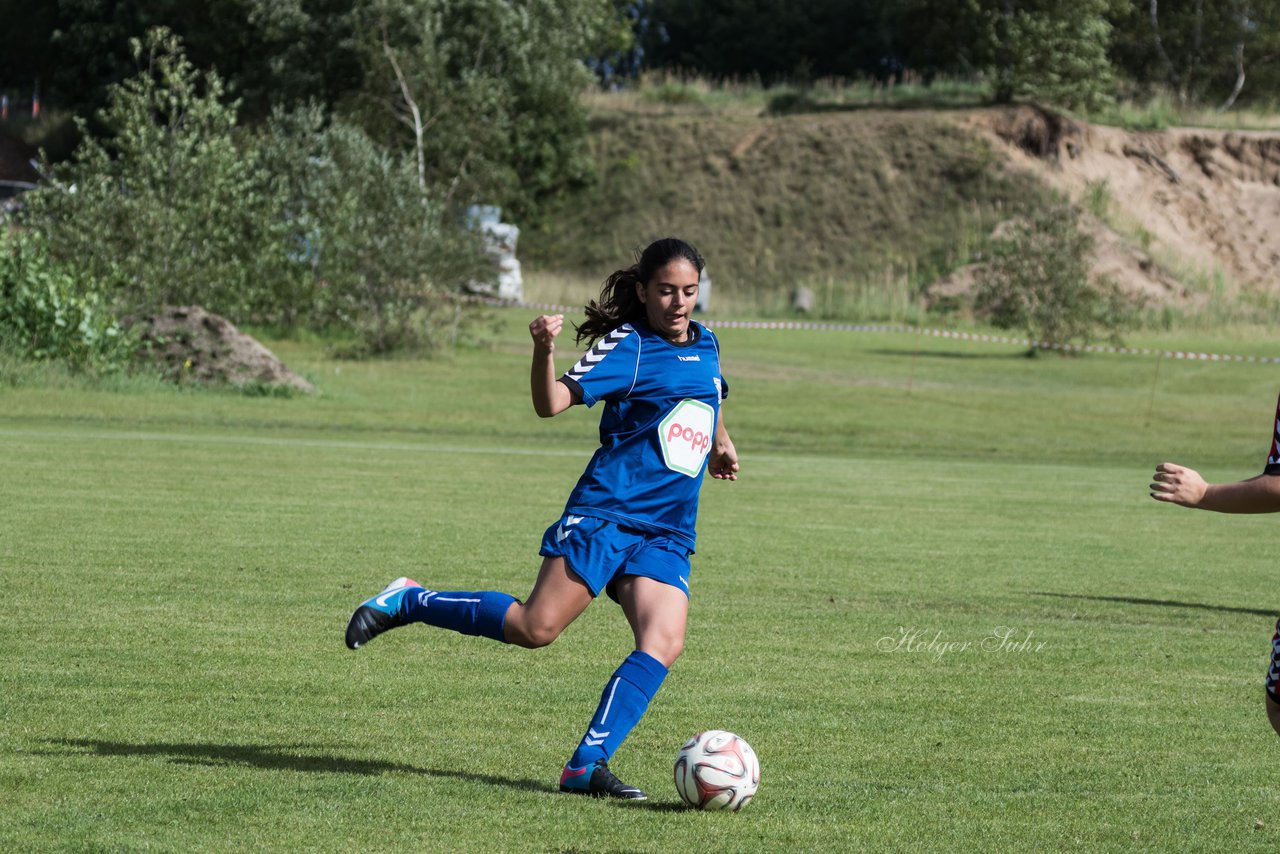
(600,552)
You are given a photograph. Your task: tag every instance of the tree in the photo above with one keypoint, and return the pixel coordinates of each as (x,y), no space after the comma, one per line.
(168,206)
(1053,52)
(772,40)
(953,37)
(265,51)
(385,263)
(1039,280)
(495,86)
(310,223)
(1200,49)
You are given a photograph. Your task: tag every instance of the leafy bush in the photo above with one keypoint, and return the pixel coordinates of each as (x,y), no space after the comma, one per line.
(372,250)
(170,206)
(45,315)
(308,224)
(1039,280)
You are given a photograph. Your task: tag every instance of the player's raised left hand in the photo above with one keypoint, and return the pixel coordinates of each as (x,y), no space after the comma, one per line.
(544,330)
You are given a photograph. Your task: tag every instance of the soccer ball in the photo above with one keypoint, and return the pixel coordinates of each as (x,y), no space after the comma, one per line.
(717,770)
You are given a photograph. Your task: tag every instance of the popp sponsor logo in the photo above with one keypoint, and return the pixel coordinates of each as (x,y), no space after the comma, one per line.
(685,436)
(697,440)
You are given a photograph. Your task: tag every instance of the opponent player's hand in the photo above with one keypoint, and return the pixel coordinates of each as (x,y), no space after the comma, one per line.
(1178,485)
(723,464)
(544,330)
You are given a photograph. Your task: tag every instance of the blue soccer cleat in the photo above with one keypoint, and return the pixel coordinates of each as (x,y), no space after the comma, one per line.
(597,781)
(381,613)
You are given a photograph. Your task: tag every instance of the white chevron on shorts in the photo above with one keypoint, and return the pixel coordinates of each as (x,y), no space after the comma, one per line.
(601,349)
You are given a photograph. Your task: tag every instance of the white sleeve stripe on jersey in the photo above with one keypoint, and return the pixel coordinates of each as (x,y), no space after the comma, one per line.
(715,342)
(635,375)
(593,356)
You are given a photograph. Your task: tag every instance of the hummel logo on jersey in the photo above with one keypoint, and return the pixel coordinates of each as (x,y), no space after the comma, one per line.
(689,358)
(561,533)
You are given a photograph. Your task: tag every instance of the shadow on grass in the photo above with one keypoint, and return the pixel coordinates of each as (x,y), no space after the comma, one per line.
(279,758)
(1166,603)
(288,758)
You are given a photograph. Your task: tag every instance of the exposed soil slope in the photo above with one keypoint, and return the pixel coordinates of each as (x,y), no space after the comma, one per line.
(1204,201)
(869,196)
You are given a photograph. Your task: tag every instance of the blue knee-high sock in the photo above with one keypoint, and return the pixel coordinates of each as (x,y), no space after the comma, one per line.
(625,698)
(483,614)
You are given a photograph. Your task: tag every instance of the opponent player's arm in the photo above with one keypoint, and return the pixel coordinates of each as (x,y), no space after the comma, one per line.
(724,456)
(1180,485)
(550,397)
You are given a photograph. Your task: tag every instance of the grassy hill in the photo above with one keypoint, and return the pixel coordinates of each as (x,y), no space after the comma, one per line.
(843,202)
(868,203)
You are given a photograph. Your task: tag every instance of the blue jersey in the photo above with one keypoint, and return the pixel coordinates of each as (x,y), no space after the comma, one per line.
(662,404)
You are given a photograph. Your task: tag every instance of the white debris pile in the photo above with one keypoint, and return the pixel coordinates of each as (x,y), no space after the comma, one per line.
(500,242)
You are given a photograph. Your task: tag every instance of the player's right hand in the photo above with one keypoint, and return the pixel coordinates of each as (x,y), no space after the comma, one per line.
(544,330)
(1177,485)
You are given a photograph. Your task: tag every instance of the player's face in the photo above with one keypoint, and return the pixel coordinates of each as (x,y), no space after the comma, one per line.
(669,298)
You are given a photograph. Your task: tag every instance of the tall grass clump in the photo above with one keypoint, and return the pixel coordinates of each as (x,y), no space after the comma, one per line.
(1161,109)
(681,93)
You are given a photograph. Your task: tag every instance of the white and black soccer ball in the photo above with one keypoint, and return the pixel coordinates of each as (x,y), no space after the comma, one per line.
(717,770)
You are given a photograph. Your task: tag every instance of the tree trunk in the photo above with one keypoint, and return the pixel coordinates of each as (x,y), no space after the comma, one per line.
(1242,17)
(1174,81)
(1004,55)
(1197,53)
(1235,92)
(419,130)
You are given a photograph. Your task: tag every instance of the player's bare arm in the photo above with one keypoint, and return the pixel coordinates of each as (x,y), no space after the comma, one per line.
(1176,484)
(550,397)
(723,464)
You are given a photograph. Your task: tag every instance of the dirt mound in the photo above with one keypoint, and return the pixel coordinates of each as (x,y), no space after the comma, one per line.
(1037,132)
(1188,204)
(190,344)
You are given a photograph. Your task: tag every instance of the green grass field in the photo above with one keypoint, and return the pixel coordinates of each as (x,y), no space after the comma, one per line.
(938,603)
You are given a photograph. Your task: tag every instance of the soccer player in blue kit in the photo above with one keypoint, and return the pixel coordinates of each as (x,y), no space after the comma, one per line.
(628,528)
(1259,494)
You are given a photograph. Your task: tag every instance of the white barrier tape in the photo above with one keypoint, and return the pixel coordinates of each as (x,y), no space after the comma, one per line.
(802,325)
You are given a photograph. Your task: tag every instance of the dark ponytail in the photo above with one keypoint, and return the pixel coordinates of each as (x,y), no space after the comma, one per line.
(618,303)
